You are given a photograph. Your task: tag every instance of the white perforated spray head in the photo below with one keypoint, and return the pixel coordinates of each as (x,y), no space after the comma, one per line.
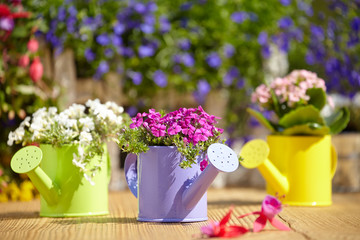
(222,157)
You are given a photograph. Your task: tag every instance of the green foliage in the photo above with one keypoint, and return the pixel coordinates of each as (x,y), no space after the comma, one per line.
(338,120)
(261,119)
(317,97)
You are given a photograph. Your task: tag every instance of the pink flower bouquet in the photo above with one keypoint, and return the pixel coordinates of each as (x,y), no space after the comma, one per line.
(191,130)
(297,101)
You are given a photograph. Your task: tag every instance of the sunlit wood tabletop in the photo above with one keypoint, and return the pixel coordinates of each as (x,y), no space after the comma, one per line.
(20,220)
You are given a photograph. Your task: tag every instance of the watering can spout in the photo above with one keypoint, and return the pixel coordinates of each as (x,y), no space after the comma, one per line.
(255,154)
(221,159)
(27,160)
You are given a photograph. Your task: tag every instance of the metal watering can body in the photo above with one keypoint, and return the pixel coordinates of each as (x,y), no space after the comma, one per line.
(168,193)
(64,192)
(299,167)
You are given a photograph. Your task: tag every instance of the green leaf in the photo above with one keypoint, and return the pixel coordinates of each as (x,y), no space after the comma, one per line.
(317,97)
(20,32)
(338,120)
(302,115)
(261,119)
(307,129)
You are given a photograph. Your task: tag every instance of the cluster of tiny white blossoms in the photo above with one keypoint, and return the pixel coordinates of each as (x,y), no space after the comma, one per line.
(290,90)
(86,126)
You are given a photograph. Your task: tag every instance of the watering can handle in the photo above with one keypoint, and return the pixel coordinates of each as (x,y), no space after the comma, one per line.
(334,160)
(131,175)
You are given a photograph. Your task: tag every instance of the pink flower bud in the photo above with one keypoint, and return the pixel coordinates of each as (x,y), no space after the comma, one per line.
(33,45)
(36,70)
(271,206)
(24,61)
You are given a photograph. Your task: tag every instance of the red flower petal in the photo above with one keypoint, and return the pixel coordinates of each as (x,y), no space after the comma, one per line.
(279,225)
(252,213)
(260,223)
(233,231)
(226,218)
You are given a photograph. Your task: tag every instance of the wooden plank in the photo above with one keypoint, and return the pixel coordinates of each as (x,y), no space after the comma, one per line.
(20,220)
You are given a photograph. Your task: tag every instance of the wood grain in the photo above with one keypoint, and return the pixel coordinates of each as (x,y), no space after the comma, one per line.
(20,220)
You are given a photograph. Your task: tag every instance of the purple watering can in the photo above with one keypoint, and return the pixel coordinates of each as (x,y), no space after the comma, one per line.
(168,193)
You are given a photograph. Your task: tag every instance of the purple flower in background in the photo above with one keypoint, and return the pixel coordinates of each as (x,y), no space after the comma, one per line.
(239,17)
(262,38)
(186,6)
(119,28)
(240,83)
(305,7)
(140,8)
(229,50)
(102,68)
(160,78)
(188,60)
(184,44)
(285,22)
(231,75)
(116,40)
(151,6)
(126,51)
(310,58)
(285,2)
(109,53)
(213,60)
(61,13)
(71,24)
(146,51)
(103,39)
(265,51)
(136,77)
(355,24)
(317,33)
(7,23)
(72,11)
(89,55)
(165,25)
(176,58)
(146,28)
(297,34)
(132,111)
(203,88)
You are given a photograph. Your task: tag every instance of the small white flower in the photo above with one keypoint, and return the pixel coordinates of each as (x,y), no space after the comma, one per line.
(87,123)
(85,138)
(79,164)
(89,179)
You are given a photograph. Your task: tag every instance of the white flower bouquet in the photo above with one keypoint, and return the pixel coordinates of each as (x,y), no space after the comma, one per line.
(86,126)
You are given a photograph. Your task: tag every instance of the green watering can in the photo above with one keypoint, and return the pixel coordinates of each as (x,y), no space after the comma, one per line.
(64,191)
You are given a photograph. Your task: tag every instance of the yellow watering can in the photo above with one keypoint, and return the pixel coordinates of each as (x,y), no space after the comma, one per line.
(299,167)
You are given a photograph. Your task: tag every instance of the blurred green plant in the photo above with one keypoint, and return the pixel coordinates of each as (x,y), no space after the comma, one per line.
(22,87)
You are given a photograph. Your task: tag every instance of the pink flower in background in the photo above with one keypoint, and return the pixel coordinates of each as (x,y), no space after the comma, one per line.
(36,70)
(290,90)
(271,206)
(33,45)
(24,61)
(220,229)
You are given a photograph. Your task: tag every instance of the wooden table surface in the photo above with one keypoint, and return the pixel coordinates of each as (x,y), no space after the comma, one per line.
(20,220)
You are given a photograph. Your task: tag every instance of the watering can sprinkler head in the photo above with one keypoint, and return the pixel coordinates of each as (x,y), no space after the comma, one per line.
(27,160)
(255,155)
(222,159)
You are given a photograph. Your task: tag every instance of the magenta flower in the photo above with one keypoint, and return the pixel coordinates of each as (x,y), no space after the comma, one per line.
(271,206)
(158,130)
(219,229)
(174,129)
(203,164)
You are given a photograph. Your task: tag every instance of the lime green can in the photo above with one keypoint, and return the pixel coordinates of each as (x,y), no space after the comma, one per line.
(64,191)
